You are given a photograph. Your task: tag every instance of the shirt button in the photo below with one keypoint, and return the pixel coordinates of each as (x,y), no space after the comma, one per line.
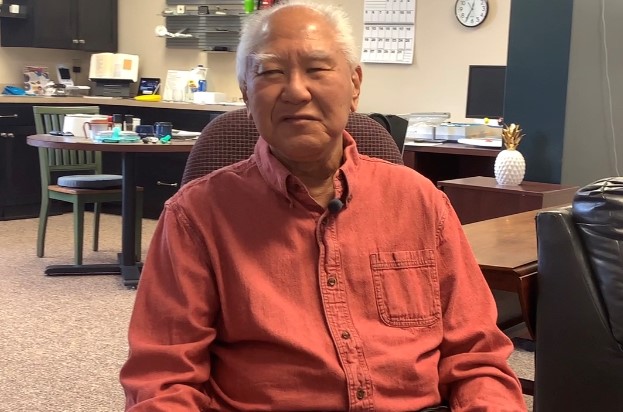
(331,281)
(361,394)
(345,335)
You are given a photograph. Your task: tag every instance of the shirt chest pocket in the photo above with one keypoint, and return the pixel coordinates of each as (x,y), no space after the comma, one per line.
(406,287)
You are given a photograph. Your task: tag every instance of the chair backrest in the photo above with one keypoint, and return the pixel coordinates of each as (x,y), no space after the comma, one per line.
(49,118)
(395,125)
(579,322)
(231,137)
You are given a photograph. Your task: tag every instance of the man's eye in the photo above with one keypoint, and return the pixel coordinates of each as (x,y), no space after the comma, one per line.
(317,69)
(272,72)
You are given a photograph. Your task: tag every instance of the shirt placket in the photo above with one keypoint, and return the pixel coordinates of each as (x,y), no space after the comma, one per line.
(340,323)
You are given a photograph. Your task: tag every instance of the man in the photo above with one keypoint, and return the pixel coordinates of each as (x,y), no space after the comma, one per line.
(310,277)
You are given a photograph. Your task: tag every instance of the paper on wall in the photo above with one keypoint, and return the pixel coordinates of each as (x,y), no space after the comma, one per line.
(388,31)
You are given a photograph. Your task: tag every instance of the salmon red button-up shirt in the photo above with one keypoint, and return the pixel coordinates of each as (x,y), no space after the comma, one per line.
(253,297)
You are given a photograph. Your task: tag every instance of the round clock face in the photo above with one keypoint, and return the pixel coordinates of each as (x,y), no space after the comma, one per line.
(471,13)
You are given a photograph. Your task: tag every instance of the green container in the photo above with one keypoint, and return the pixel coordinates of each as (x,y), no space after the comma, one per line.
(249,6)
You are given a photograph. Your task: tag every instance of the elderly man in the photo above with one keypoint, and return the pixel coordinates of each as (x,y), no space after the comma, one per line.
(310,277)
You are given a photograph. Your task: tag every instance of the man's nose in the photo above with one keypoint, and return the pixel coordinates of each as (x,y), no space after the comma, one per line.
(296,89)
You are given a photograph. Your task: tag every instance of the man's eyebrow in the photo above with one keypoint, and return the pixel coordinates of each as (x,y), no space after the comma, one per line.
(259,58)
(319,55)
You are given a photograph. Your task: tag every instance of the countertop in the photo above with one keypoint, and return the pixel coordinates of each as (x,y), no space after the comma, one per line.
(117,102)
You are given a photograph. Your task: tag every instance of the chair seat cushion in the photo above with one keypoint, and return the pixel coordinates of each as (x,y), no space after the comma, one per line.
(90,181)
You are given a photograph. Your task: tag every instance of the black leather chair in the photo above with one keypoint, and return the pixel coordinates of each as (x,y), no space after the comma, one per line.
(579,326)
(231,137)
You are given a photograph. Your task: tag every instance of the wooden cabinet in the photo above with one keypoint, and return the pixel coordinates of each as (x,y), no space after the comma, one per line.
(89,25)
(20,184)
(481,198)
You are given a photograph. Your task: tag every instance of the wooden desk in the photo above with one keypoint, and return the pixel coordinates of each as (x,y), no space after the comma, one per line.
(450,160)
(128,268)
(480,198)
(505,249)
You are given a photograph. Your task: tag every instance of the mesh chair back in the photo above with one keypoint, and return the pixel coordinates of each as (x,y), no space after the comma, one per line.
(49,118)
(231,137)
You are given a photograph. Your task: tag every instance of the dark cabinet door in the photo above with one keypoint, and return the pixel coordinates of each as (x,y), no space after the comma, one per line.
(20,182)
(89,25)
(54,24)
(21,187)
(97,25)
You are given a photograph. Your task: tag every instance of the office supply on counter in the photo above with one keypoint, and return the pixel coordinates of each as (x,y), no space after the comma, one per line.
(36,79)
(113,73)
(148,86)
(455,131)
(183,134)
(422,126)
(483,142)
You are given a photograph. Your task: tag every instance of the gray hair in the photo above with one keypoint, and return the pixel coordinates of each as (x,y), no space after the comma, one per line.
(250,37)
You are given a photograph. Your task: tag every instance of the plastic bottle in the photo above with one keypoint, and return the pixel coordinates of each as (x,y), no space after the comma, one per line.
(197,81)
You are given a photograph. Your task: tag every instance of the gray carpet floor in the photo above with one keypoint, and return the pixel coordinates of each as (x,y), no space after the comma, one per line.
(63,339)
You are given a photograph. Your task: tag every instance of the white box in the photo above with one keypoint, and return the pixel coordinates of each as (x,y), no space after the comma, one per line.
(422,126)
(208,97)
(464,130)
(420,132)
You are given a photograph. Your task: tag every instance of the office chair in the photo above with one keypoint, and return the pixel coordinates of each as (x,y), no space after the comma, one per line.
(579,322)
(231,137)
(395,125)
(97,189)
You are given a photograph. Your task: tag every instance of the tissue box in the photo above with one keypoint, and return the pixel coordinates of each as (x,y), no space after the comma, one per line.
(208,97)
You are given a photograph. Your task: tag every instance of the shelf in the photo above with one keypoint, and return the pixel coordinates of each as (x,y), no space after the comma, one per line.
(208,30)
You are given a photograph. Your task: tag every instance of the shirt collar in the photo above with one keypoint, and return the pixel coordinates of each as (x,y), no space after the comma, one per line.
(277,175)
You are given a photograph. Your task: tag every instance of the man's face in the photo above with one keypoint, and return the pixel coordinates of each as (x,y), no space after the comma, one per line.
(300,87)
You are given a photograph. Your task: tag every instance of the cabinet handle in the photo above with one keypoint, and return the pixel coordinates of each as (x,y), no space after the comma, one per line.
(159,183)
(81,41)
(75,41)
(12,116)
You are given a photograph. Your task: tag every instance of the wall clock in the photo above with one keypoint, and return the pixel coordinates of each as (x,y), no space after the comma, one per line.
(471,13)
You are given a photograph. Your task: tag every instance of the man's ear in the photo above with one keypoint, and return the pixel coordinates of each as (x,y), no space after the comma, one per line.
(245,98)
(356,78)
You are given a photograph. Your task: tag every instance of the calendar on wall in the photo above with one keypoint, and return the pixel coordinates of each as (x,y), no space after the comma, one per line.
(388,31)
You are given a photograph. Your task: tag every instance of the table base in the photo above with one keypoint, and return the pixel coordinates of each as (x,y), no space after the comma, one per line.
(129,273)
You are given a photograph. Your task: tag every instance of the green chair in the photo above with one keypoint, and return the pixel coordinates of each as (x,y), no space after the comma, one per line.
(68,163)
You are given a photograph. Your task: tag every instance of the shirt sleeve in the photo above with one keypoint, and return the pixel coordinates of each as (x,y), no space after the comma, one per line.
(473,368)
(171,327)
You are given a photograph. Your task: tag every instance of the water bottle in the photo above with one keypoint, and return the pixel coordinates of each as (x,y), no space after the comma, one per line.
(197,82)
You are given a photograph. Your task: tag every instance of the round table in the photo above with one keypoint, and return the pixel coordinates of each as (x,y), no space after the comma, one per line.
(128,268)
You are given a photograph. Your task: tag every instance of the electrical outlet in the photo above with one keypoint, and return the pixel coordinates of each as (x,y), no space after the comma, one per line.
(181,9)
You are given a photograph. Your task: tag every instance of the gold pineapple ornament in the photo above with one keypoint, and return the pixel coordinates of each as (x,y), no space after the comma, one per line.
(510,165)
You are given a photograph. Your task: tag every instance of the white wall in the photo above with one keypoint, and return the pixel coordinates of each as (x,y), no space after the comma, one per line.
(436,81)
